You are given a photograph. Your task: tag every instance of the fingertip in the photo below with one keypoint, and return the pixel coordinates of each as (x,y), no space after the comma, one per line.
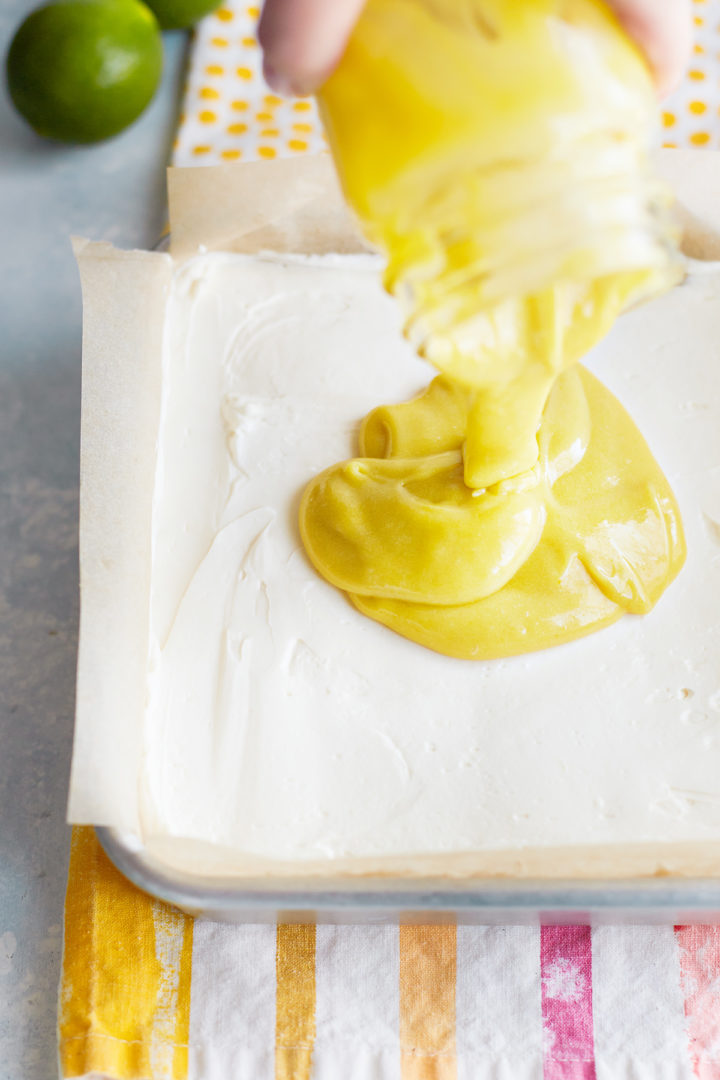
(292,36)
(271,33)
(664,33)
(303,40)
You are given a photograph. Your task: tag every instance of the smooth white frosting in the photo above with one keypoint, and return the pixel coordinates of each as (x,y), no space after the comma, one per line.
(282,723)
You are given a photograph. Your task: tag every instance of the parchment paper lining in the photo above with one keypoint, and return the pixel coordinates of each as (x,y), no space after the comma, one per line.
(123,310)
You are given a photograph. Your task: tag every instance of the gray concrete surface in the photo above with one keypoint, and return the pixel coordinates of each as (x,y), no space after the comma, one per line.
(114,191)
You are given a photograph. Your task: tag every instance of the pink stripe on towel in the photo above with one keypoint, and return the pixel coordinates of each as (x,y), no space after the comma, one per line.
(699,951)
(566,971)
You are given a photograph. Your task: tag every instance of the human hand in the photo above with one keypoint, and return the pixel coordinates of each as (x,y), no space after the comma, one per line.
(303,40)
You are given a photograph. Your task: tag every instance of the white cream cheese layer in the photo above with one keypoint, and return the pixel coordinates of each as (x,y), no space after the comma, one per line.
(284,724)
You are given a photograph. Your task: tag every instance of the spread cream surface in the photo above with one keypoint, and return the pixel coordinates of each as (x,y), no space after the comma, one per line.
(282,722)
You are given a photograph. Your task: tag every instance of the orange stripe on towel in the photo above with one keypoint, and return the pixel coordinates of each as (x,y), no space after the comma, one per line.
(294,1001)
(427,1002)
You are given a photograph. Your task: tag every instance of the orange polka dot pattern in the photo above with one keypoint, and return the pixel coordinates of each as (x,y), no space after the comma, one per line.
(229,113)
(691,115)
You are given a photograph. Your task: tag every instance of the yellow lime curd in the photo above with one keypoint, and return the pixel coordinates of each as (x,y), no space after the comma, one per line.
(497,152)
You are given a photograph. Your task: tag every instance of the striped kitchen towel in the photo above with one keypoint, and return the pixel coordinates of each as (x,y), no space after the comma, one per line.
(148,993)
(230,114)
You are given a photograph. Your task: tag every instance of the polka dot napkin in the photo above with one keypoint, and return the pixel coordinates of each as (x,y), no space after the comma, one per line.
(691,116)
(230,114)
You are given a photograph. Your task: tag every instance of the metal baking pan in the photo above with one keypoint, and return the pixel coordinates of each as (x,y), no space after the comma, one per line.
(384,899)
(662,900)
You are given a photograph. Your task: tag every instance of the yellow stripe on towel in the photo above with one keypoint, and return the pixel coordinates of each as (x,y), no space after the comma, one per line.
(294,1001)
(427,1002)
(125,989)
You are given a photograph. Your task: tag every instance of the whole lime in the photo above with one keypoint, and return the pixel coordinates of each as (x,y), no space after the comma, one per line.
(82,70)
(180,14)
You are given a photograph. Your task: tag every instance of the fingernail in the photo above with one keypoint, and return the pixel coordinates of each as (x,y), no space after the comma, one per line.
(277,81)
(286,86)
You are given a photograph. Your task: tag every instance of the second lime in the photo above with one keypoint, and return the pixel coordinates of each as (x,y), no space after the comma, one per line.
(82,70)
(180,14)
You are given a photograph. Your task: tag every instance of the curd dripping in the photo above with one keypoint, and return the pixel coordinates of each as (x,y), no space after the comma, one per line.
(496,151)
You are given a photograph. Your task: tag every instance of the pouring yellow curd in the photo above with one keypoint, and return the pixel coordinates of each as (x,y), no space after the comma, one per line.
(497,152)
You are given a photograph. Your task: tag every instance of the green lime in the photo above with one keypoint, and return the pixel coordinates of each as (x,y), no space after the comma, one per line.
(179,14)
(82,70)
